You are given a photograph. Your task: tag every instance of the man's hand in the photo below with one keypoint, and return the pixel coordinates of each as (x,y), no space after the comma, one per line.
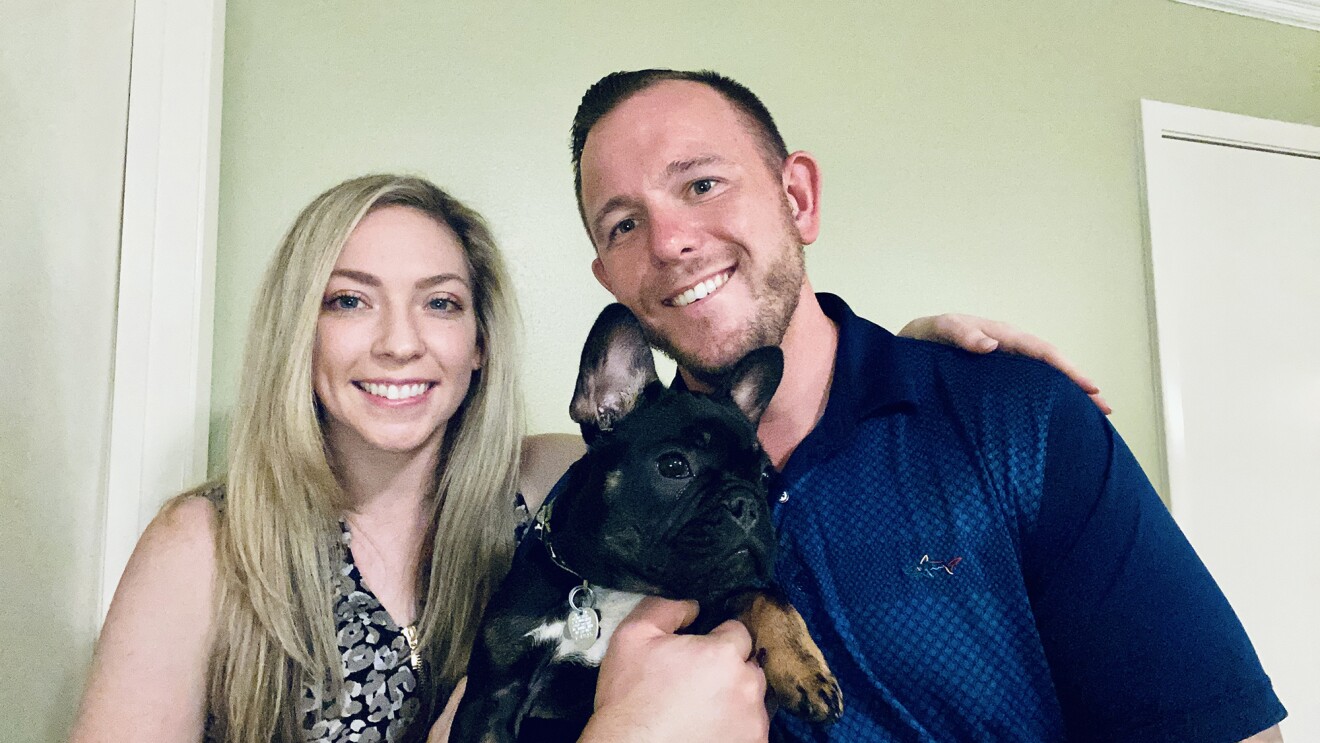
(978,335)
(656,685)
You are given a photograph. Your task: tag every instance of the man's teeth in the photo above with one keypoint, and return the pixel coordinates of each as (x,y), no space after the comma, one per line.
(701,291)
(395,391)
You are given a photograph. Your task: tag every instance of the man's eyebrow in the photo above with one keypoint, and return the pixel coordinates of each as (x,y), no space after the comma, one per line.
(678,167)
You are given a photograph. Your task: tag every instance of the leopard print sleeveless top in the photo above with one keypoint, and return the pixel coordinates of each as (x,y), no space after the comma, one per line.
(381,674)
(381,691)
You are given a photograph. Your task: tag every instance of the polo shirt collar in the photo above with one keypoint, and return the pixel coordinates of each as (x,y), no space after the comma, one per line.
(869,375)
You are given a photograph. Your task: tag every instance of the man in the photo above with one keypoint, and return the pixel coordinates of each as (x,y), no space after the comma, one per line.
(974,548)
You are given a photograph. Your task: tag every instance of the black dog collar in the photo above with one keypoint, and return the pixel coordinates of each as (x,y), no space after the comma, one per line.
(583,621)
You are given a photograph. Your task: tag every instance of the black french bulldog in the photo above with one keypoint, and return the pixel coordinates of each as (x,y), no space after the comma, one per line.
(670,500)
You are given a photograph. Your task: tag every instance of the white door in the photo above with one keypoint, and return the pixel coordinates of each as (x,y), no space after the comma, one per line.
(1234,214)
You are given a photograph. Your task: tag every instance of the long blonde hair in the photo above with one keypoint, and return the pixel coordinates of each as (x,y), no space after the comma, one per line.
(278,539)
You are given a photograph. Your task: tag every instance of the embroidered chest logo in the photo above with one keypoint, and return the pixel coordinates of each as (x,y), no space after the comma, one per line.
(928,568)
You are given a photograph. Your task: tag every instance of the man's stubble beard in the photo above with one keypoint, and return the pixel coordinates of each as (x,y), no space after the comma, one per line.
(776,300)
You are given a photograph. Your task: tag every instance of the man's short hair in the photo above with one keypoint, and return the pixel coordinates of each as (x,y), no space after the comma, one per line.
(609,91)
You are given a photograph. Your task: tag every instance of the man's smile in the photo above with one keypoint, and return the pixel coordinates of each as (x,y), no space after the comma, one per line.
(699,290)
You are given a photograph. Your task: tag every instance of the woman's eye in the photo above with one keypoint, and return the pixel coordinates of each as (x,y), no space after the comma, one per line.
(343,302)
(442,304)
(673,466)
(703,186)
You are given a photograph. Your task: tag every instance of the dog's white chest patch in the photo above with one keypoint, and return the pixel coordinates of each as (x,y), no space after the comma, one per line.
(612,605)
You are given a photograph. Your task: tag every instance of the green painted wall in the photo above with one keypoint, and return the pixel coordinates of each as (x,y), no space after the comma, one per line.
(978,156)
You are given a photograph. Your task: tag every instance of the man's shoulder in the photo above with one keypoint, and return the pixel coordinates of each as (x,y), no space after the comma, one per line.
(944,373)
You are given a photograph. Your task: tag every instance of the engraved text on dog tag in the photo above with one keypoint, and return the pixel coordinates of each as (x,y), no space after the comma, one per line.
(583,624)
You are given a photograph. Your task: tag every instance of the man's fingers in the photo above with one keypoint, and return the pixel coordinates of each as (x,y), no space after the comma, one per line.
(657,616)
(735,634)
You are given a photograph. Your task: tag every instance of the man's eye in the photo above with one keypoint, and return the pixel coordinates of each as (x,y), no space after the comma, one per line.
(673,465)
(703,186)
(623,228)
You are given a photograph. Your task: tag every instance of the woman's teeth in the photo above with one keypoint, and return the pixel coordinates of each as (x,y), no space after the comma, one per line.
(395,391)
(700,291)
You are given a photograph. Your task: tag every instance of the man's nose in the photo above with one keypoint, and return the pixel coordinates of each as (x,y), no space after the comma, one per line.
(673,237)
(398,335)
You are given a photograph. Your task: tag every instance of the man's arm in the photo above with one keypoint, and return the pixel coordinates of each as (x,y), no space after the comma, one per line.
(1141,643)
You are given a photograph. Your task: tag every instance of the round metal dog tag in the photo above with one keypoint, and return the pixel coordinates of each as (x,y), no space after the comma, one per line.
(583,623)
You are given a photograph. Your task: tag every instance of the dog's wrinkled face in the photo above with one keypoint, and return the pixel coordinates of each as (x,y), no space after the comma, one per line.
(671,497)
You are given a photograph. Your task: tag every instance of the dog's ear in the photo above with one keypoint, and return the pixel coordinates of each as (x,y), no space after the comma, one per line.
(753,381)
(616,367)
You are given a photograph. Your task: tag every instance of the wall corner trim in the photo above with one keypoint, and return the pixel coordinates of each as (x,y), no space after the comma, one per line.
(160,400)
(1300,13)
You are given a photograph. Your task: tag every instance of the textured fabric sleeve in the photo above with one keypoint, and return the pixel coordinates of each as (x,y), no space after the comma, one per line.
(1141,643)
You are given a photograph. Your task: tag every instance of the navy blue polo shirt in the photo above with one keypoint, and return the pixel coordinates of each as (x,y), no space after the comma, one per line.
(980,558)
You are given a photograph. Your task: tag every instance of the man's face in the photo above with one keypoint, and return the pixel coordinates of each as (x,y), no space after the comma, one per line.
(692,227)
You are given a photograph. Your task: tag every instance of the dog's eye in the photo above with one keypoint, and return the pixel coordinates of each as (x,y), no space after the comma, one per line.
(673,466)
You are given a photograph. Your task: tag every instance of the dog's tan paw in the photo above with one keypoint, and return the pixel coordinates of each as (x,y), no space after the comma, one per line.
(795,670)
(812,696)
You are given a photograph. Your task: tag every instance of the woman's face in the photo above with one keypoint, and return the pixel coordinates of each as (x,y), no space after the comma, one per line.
(396,342)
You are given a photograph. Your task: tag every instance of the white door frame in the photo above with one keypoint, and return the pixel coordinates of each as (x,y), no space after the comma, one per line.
(1163,123)
(161,395)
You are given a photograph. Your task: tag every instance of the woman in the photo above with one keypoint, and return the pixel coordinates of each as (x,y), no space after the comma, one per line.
(384,341)
(330,587)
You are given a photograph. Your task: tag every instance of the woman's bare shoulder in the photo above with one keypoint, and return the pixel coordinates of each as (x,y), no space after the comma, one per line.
(148,678)
(545,457)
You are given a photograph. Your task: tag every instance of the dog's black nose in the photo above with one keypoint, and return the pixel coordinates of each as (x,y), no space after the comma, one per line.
(743,511)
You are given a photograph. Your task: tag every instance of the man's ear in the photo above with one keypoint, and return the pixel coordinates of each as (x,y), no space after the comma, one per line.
(598,269)
(801,182)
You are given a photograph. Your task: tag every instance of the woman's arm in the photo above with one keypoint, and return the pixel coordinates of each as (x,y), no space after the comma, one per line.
(545,457)
(148,678)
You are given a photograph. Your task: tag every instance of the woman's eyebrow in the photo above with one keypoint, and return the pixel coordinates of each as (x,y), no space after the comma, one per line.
(440,278)
(362,277)
(359,276)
